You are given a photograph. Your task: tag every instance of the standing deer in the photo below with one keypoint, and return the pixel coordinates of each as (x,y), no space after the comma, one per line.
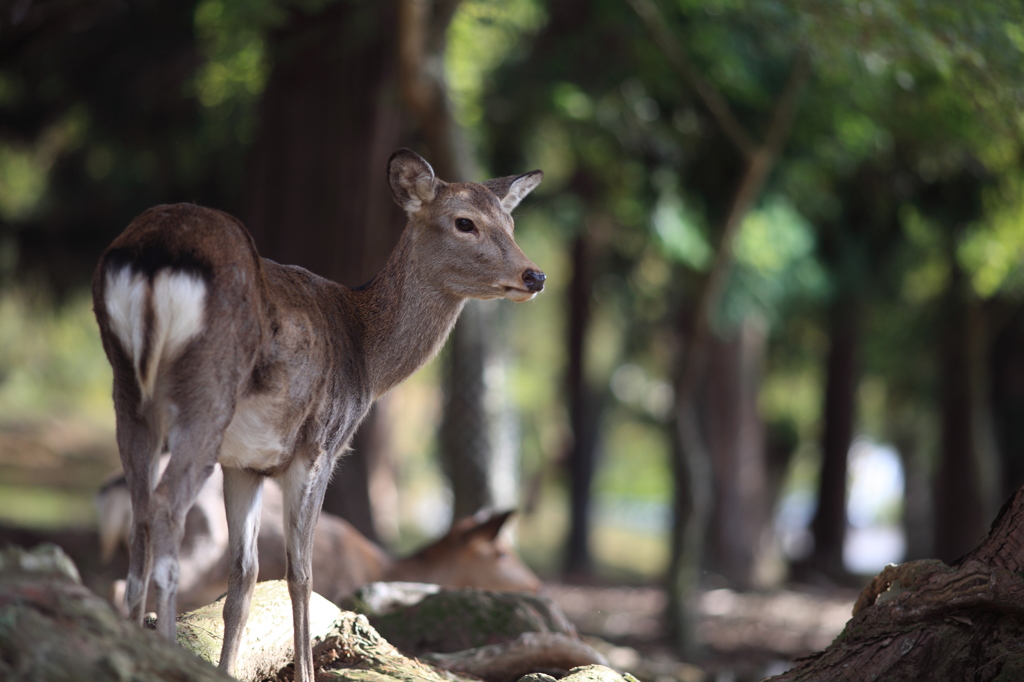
(268,369)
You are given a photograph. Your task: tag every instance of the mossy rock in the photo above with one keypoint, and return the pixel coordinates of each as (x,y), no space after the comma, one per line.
(455,620)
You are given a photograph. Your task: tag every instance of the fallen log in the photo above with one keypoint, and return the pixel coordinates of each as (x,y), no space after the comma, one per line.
(53,629)
(927,620)
(355,651)
(530,652)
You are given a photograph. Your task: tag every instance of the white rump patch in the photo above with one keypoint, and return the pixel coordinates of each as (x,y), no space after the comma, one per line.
(178,300)
(125,301)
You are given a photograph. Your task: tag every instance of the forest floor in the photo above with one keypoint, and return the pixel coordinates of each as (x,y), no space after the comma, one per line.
(745,635)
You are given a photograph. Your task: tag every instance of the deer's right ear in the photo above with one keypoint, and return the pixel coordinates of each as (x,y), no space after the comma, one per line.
(412,180)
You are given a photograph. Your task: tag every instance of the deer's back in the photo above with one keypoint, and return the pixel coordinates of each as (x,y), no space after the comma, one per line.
(183,295)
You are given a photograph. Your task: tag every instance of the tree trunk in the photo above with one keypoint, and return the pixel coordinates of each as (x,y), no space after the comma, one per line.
(477,437)
(315,193)
(959,507)
(692,466)
(478,444)
(841,376)
(924,620)
(741,516)
(691,462)
(585,408)
(1006,367)
(918,514)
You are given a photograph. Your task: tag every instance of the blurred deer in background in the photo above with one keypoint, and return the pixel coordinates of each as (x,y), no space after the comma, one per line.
(473,553)
(224,356)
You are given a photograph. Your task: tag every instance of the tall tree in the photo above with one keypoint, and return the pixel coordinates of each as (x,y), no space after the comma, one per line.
(692,460)
(315,195)
(476,441)
(962,510)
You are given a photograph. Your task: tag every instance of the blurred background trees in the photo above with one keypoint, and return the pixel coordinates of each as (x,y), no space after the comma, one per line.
(784,240)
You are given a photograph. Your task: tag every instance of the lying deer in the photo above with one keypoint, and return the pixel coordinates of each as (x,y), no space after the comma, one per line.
(268,369)
(472,554)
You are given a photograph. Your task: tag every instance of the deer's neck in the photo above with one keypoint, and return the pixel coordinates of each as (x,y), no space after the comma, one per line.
(405,319)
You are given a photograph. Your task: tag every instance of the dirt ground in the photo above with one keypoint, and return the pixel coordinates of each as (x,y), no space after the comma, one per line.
(746,636)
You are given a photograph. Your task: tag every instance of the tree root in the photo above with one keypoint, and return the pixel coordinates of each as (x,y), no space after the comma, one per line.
(927,620)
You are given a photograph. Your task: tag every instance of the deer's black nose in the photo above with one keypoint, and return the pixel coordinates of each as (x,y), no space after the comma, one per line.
(534,280)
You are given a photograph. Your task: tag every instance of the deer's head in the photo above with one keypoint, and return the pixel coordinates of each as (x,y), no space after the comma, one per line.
(462,232)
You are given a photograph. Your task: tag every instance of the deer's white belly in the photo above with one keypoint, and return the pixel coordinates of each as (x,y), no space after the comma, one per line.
(253,440)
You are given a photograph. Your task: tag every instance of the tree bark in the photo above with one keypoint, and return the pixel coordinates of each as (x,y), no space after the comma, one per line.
(960,508)
(926,620)
(841,377)
(478,447)
(741,515)
(692,466)
(585,408)
(527,653)
(315,191)
(1006,368)
(691,460)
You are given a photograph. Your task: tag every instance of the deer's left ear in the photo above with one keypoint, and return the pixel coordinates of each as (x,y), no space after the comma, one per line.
(512,189)
(486,525)
(412,180)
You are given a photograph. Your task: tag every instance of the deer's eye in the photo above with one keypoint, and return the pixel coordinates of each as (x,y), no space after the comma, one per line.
(464,225)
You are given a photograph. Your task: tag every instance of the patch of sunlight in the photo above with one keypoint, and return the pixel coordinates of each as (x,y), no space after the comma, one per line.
(542,532)
(926,278)
(236,66)
(22,181)
(573,102)
(25,169)
(634,465)
(623,553)
(792,395)
(482,34)
(677,230)
(39,507)
(773,238)
(51,359)
(993,252)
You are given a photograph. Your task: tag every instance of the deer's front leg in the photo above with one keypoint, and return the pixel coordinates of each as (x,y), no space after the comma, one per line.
(303,489)
(242,493)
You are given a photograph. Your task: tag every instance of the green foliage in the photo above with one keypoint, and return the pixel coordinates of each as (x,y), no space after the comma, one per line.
(993,251)
(482,35)
(775,265)
(51,360)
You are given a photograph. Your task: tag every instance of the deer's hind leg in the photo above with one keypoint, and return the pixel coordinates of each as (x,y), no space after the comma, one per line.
(199,416)
(140,439)
(242,493)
